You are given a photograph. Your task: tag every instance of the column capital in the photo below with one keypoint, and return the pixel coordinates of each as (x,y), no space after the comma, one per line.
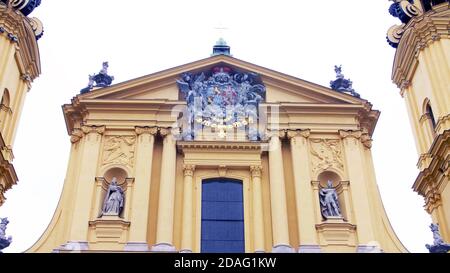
(188,170)
(88,129)
(256,171)
(276,133)
(76,135)
(164,131)
(146,130)
(298,133)
(350,134)
(362,135)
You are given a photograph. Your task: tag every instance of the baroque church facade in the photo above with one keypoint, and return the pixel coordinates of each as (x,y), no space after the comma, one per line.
(219,155)
(222,155)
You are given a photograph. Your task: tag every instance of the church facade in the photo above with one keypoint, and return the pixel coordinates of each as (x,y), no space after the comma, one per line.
(422,72)
(219,155)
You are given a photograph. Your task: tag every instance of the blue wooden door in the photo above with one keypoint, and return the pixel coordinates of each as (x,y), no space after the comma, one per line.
(222,216)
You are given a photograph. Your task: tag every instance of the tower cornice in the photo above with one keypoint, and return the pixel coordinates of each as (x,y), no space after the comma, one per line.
(23,32)
(420,32)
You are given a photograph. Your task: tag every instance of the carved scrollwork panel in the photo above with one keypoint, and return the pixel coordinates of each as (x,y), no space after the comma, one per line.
(326,155)
(119,150)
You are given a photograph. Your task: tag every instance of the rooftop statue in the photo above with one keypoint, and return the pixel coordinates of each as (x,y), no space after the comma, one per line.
(102,79)
(341,84)
(439,246)
(4,241)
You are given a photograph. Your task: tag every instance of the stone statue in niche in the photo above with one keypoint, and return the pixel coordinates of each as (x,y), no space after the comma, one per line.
(439,246)
(329,202)
(4,241)
(114,200)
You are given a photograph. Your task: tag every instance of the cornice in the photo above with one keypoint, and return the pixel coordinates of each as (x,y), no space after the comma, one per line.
(420,32)
(22,30)
(208,145)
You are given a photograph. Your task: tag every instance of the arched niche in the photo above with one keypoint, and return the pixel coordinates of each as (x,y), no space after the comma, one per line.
(341,189)
(104,182)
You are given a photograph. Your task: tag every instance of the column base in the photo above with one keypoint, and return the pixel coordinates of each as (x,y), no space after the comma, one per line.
(136,246)
(72,246)
(309,249)
(260,251)
(282,249)
(369,249)
(163,247)
(186,251)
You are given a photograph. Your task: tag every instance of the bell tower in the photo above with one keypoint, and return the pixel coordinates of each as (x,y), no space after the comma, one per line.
(422,72)
(19,66)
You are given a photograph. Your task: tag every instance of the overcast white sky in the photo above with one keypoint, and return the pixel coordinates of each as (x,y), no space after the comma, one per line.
(138,37)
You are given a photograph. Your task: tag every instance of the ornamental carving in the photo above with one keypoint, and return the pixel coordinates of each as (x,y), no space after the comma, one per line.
(146,130)
(405,11)
(119,150)
(256,171)
(221,100)
(327,154)
(188,170)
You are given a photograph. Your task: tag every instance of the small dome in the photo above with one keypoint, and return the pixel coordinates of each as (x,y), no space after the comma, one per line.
(24,6)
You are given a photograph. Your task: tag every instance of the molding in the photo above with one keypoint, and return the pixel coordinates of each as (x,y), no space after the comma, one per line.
(420,32)
(434,174)
(282,249)
(443,123)
(309,249)
(136,246)
(369,249)
(219,145)
(73,247)
(163,247)
(20,30)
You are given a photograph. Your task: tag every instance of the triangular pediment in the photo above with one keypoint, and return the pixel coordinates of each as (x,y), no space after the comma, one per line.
(280,87)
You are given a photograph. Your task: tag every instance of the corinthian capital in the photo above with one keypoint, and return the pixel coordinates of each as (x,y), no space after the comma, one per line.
(146,130)
(256,171)
(350,134)
(188,170)
(298,133)
(87,129)
(76,135)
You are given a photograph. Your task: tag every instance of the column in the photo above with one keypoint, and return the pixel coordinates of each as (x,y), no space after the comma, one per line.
(280,230)
(141,189)
(188,210)
(166,204)
(303,191)
(85,187)
(258,214)
(359,190)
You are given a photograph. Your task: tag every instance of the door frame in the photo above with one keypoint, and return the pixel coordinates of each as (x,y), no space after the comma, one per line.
(232,173)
